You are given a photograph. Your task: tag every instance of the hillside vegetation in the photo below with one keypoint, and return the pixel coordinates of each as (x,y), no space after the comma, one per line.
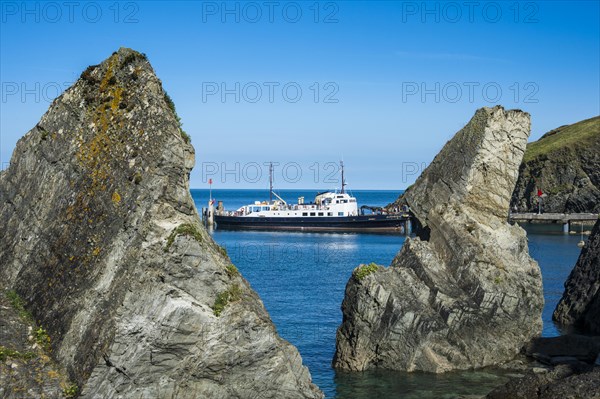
(565,164)
(577,135)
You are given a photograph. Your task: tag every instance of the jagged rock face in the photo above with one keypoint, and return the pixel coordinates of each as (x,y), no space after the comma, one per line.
(563,382)
(25,369)
(565,165)
(579,306)
(569,370)
(465,293)
(89,210)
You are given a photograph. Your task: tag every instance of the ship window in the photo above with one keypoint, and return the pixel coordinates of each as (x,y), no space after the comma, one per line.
(304,213)
(352,200)
(344,201)
(320,213)
(312,214)
(329,213)
(340,213)
(265,208)
(337,201)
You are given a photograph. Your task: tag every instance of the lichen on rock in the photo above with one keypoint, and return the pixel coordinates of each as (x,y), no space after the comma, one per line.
(88,205)
(464,293)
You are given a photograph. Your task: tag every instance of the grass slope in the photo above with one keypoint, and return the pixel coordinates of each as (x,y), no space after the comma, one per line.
(575,135)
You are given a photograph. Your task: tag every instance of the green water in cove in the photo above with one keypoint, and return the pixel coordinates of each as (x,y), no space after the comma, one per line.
(301,278)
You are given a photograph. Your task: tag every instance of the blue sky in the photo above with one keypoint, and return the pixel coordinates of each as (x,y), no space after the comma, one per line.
(381,85)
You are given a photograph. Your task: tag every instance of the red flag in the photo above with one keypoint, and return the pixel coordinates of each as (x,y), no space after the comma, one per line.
(209,181)
(540,193)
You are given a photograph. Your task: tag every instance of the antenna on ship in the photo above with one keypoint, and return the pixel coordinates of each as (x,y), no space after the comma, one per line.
(271,182)
(271,192)
(343,179)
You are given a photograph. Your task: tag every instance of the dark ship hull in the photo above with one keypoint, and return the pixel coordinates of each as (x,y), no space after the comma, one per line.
(375,223)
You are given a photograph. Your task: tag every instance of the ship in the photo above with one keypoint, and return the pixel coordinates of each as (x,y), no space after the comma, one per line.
(334,211)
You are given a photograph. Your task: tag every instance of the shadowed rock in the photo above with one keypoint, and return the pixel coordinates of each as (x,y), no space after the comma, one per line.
(564,381)
(465,292)
(570,370)
(579,306)
(101,239)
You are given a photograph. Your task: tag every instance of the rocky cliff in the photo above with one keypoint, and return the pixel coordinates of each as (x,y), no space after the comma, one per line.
(26,370)
(465,292)
(565,165)
(565,381)
(579,306)
(569,369)
(101,240)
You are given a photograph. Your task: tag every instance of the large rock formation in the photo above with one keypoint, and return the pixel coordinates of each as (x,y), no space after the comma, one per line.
(565,165)
(465,292)
(101,239)
(579,306)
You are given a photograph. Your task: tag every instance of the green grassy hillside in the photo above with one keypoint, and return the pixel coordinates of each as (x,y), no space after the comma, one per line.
(565,164)
(575,135)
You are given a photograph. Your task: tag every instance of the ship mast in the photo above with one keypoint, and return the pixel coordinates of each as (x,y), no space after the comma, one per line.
(271,192)
(271,182)
(343,179)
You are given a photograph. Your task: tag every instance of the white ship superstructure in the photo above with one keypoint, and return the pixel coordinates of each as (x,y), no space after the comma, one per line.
(327,204)
(330,210)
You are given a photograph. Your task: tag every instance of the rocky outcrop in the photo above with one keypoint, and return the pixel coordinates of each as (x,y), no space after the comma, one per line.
(465,292)
(565,165)
(569,348)
(26,370)
(570,370)
(579,306)
(565,381)
(102,241)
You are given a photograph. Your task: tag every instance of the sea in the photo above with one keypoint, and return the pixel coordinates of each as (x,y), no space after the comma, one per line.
(301,278)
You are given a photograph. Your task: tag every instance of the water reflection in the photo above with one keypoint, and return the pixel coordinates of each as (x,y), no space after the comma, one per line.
(390,384)
(556,253)
(301,279)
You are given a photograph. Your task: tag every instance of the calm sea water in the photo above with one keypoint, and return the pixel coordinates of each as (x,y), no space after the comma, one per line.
(301,279)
